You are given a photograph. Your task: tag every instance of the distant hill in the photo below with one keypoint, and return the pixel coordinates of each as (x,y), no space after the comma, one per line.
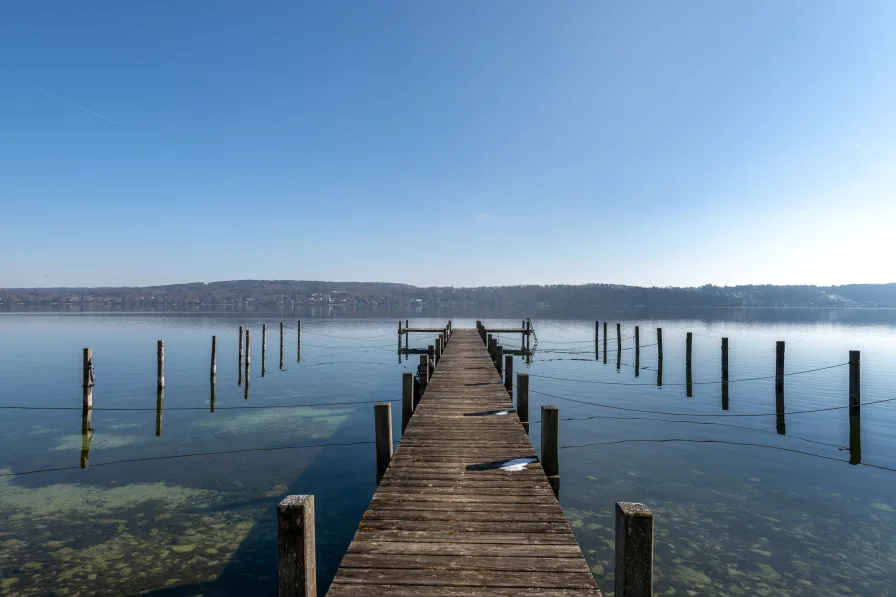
(370,294)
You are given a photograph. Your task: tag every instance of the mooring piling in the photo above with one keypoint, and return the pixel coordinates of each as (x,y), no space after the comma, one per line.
(382,414)
(88,380)
(248,359)
(160,404)
(634,550)
(297,571)
(637,350)
(659,344)
(239,366)
(407,398)
(160,365)
(214,365)
(550,446)
(281,345)
(522,399)
(264,348)
(779,366)
(689,343)
(855,394)
(724,359)
(508,373)
(605,343)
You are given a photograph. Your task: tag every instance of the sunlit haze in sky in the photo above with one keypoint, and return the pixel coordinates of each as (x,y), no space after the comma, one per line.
(448,143)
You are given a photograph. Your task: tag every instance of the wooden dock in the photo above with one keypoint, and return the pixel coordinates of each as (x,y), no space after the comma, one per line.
(452,515)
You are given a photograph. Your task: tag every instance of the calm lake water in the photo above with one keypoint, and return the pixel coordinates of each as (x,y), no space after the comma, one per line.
(747,502)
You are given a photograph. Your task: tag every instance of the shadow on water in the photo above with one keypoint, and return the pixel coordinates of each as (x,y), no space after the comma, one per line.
(342,481)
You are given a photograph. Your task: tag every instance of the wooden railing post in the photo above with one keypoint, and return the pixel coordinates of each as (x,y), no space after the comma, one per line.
(438,349)
(295,546)
(382,415)
(550,447)
(499,358)
(634,550)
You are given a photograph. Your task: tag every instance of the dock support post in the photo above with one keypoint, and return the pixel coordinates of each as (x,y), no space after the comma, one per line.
(659,344)
(508,373)
(618,339)
(724,359)
(438,349)
(432,359)
(779,366)
(499,358)
(264,348)
(407,398)
(295,546)
(160,365)
(382,420)
(550,447)
(423,372)
(239,367)
(634,550)
(87,382)
(522,399)
(689,342)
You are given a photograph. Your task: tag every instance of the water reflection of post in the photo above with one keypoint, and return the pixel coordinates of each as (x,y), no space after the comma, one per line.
(239,367)
(855,437)
(725,395)
(86,436)
(160,401)
(780,425)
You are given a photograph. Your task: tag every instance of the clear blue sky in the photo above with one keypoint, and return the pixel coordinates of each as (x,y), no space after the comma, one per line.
(462,142)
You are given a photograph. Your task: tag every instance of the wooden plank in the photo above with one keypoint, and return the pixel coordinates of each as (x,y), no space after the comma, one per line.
(449,517)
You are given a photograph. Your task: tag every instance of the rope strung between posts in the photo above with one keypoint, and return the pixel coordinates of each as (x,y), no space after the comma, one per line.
(192,455)
(673,414)
(695,383)
(203,408)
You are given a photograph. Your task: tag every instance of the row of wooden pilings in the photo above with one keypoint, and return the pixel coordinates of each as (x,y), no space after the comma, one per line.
(634,521)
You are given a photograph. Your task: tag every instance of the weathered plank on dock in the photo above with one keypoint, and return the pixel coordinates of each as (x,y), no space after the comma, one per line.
(447,519)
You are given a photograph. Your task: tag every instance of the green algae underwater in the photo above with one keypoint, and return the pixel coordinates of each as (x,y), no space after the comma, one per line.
(730,519)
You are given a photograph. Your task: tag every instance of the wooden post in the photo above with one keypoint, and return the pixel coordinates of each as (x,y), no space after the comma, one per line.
(407,398)
(264,348)
(605,343)
(637,349)
(522,399)
(725,395)
(779,366)
(855,390)
(508,373)
(424,372)
(499,358)
(248,358)
(618,338)
(214,365)
(438,349)
(596,340)
(281,345)
(295,546)
(87,381)
(780,423)
(160,365)
(213,390)
(659,343)
(855,436)
(431,350)
(687,353)
(550,447)
(299,341)
(634,550)
(382,415)
(490,345)
(724,359)
(239,367)
(659,373)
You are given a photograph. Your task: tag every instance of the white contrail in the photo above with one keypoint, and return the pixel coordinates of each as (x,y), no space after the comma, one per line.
(68,101)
